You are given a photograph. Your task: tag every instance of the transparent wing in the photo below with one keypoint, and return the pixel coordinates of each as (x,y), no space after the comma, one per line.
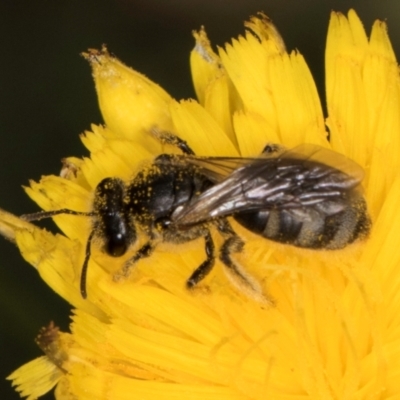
(301,177)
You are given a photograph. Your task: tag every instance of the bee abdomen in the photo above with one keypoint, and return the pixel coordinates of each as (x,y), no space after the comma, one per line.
(310,227)
(277,225)
(351,224)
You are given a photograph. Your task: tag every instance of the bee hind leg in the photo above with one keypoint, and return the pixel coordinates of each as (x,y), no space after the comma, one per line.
(246,283)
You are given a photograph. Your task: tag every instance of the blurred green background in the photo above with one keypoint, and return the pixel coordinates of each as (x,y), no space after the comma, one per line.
(47,99)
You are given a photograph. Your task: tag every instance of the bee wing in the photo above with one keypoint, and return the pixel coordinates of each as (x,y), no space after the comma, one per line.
(301,177)
(327,157)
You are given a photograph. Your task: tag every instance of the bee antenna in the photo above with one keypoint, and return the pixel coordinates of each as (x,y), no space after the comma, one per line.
(49,214)
(85,265)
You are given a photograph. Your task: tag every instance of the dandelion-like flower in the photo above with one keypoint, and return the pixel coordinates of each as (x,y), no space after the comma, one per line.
(333,332)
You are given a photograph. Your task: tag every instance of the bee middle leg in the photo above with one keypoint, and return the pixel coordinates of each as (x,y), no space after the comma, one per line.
(204,269)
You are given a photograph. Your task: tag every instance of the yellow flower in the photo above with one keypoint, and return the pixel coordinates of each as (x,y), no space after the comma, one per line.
(334,332)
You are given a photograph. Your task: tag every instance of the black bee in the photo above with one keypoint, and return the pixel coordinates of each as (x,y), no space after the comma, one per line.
(307,197)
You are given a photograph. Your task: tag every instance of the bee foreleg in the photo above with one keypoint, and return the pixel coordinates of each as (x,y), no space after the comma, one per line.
(204,269)
(145,251)
(173,140)
(235,272)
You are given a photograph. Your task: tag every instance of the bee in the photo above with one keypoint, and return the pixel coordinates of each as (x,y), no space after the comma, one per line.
(306,197)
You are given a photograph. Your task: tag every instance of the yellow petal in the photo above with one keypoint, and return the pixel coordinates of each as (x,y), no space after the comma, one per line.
(130,103)
(297,107)
(275,85)
(253,132)
(205,65)
(9,224)
(204,134)
(213,88)
(53,193)
(267,33)
(246,64)
(35,378)
(363,97)
(112,155)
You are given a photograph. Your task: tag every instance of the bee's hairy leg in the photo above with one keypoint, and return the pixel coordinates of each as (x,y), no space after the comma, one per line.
(145,251)
(173,140)
(204,269)
(273,148)
(232,244)
(239,277)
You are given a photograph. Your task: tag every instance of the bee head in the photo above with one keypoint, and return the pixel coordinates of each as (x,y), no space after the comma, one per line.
(113,223)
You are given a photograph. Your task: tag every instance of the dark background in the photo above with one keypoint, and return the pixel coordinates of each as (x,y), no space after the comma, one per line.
(47,99)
